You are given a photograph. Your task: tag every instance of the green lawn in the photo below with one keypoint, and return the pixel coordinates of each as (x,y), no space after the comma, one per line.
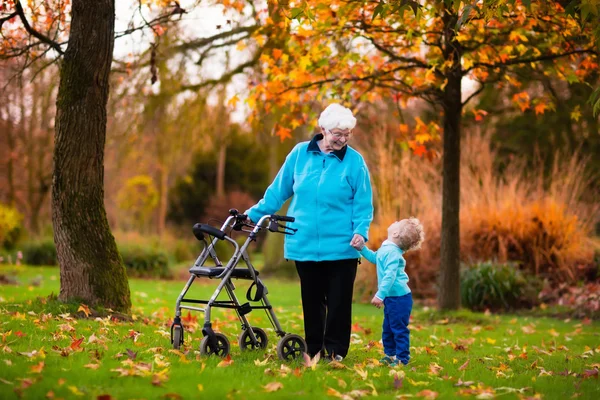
(46,353)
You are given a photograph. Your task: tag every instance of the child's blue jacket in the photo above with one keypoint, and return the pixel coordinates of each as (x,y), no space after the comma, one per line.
(331,201)
(392,280)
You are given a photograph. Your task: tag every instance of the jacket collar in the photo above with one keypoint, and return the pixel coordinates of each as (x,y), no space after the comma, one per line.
(390,243)
(313,146)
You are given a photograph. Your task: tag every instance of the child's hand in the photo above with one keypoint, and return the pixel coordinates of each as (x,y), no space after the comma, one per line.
(358,242)
(377,302)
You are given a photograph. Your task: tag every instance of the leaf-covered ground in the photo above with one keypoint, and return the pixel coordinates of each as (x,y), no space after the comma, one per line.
(48,351)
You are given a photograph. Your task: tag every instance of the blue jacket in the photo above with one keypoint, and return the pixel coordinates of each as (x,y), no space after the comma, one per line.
(391,277)
(331,201)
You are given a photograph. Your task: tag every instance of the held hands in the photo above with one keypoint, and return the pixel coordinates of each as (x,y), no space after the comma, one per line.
(358,242)
(377,302)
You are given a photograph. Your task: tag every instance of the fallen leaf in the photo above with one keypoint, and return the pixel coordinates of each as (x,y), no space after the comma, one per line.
(75,391)
(273,386)
(37,369)
(336,365)
(227,361)
(311,362)
(361,372)
(76,344)
(428,394)
(464,366)
(92,366)
(131,354)
(260,363)
(85,309)
(461,383)
(590,373)
(435,369)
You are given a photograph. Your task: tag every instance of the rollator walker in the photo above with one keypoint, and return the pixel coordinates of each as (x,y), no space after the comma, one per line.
(290,346)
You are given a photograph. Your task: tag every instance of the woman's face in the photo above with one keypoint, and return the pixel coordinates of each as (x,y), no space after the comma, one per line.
(336,138)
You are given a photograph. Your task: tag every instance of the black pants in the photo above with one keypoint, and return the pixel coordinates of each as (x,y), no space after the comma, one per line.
(326,288)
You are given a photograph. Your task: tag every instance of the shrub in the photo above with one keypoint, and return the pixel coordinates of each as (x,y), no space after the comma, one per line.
(145,261)
(10,226)
(40,252)
(492,286)
(540,220)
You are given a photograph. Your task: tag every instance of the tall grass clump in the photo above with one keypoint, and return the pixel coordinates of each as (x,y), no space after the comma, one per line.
(541,221)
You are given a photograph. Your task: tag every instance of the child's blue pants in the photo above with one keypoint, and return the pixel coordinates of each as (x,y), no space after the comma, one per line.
(395,335)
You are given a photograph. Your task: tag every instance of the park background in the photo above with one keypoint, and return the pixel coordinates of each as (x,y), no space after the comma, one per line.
(207,98)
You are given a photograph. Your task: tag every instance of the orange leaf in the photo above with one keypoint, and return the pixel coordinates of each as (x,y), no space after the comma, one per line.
(273,386)
(85,309)
(428,394)
(464,366)
(420,150)
(76,344)
(227,361)
(284,133)
(277,54)
(37,369)
(540,108)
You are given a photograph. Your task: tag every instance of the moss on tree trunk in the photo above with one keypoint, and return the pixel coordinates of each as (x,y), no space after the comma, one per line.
(91,269)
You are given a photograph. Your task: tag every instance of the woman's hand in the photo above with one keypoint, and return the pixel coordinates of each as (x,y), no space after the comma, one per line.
(377,302)
(358,242)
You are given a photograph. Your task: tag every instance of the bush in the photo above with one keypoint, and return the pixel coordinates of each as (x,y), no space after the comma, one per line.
(145,262)
(495,287)
(10,226)
(540,219)
(40,252)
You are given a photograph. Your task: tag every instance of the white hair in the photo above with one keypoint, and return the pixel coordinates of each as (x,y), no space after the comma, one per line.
(337,116)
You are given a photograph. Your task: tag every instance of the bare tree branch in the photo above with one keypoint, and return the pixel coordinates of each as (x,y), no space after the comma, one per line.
(8,17)
(545,57)
(195,44)
(33,32)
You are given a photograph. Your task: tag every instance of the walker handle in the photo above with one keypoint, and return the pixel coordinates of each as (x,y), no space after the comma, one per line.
(283,218)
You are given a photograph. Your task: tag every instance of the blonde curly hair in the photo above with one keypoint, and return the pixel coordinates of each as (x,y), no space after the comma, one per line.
(411,234)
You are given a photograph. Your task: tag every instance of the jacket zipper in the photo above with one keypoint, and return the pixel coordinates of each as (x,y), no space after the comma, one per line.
(318,236)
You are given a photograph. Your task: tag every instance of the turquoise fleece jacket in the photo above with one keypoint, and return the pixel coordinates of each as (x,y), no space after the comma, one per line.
(391,277)
(331,200)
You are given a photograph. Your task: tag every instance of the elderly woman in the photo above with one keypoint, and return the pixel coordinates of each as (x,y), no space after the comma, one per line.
(330,188)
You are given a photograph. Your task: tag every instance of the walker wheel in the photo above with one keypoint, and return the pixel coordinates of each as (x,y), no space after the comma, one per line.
(222,346)
(290,347)
(245,341)
(177,336)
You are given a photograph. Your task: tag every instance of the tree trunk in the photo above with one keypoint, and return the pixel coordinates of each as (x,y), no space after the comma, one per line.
(221,162)
(91,269)
(163,199)
(10,167)
(449,294)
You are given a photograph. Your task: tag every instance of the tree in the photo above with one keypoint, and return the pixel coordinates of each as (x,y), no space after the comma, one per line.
(362,51)
(90,264)
(91,268)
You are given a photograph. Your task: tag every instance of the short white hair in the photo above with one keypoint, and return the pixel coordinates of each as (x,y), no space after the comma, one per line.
(337,116)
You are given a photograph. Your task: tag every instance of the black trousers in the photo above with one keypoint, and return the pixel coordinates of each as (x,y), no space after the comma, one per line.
(326,288)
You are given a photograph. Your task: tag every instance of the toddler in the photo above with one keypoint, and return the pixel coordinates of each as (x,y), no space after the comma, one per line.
(393,292)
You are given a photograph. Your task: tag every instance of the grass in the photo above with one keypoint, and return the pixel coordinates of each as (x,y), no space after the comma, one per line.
(486,355)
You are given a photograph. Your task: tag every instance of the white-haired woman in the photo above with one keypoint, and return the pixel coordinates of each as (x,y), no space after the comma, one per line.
(330,188)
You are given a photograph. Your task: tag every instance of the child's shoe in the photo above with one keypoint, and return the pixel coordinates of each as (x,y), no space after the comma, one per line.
(387,360)
(394,363)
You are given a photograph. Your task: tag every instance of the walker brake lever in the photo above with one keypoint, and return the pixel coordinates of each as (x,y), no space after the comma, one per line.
(274,227)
